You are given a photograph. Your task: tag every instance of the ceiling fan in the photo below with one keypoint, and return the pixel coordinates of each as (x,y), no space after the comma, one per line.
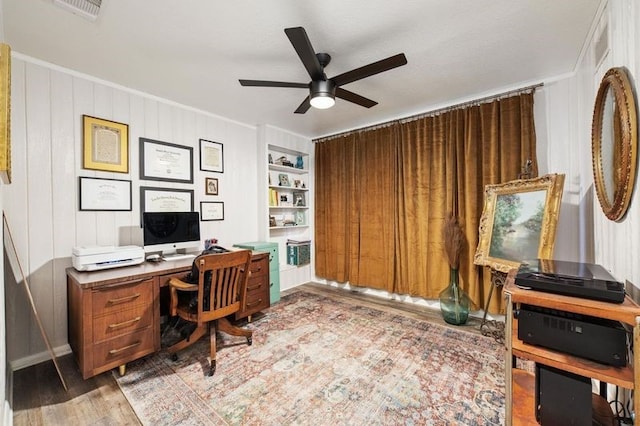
(323,90)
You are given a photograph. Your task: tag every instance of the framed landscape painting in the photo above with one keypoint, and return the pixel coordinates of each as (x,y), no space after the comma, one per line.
(519,221)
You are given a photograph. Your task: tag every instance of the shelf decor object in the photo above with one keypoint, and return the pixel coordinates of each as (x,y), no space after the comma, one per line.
(614,143)
(105,145)
(104,194)
(165,161)
(211,156)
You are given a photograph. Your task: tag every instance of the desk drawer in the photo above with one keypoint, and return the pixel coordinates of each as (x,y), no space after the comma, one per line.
(122,322)
(257,294)
(259,267)
(122,296)
(123,349)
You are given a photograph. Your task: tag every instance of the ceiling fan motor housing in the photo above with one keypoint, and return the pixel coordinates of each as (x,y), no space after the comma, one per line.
(323,88)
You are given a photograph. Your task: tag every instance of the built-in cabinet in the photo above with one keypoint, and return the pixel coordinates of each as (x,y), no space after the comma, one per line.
(288,188)
(520,383)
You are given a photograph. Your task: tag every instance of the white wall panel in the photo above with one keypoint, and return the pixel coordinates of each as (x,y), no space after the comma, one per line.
(42,201)
(39,197)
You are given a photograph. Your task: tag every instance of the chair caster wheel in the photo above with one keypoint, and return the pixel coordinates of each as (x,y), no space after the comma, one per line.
(174,357)
(249,341)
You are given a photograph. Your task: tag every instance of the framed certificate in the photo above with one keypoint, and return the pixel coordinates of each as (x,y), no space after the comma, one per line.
(165,161)
(106,145)
(211,210)
(104,194)
(165,199)
(211,158)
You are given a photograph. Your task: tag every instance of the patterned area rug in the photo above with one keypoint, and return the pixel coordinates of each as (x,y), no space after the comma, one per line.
(318,361)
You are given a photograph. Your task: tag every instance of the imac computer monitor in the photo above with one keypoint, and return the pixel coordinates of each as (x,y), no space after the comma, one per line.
(172,234)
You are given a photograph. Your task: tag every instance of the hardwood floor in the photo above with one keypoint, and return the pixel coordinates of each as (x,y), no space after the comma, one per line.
(40,399)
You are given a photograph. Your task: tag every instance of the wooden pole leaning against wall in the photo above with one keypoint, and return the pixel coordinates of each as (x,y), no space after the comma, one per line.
(9,238)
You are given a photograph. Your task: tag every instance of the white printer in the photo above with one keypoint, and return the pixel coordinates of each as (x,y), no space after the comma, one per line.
(95,258)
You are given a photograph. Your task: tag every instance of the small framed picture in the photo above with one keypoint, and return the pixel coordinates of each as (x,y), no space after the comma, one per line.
(299,199)
(211,210)
(211,186)
(297,183)
(283,179)
(300,220)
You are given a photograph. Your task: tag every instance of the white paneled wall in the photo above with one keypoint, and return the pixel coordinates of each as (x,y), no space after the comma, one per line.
(569,107)
(41,203)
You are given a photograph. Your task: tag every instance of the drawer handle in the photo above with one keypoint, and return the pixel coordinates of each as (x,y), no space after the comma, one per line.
(122,324)
(123,299)
(259,268)
(253,287)
(249,305)
(121,284)
(117,351)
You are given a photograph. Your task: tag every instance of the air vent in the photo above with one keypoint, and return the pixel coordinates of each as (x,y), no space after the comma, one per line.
(88,9)
(601,47)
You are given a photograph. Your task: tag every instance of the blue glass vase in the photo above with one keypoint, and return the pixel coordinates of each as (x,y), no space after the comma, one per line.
(299,162)
(454,302)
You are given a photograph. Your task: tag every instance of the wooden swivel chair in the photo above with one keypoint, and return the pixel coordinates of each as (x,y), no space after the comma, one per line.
(221,290)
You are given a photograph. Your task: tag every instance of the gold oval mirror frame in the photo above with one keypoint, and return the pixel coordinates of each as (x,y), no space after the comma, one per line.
(614,140)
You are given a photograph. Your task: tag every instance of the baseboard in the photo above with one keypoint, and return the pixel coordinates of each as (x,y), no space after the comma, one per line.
(6,414)
(34,359)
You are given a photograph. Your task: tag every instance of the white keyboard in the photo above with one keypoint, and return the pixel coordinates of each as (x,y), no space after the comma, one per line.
(171,257)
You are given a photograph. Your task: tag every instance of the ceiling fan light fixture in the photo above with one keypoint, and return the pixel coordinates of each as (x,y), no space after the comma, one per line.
(322,101)
(323,94)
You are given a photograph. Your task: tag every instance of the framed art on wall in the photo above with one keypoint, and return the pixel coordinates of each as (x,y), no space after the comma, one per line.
(5,112)
(105,145)
(211,210)
(165,199)
(104,194)
(211,156)
(211,186)
(519,221)
(165,161)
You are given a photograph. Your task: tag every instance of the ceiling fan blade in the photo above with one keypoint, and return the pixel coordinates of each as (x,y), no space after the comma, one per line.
(371,69)
(263,83)
(355,98)
(302,45)
(304,106)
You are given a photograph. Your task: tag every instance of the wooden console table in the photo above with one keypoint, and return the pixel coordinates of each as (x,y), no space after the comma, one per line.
(114,314)
(520,384)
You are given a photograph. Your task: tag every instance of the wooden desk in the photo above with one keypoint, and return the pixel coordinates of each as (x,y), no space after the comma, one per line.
(114,314)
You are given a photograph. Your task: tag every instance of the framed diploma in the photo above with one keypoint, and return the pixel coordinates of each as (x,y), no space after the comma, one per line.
(211,210)
(104,194)
(105,145)
(165,199)
(165,161)
(211,158)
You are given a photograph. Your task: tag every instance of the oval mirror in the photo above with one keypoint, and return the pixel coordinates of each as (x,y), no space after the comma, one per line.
(614,143)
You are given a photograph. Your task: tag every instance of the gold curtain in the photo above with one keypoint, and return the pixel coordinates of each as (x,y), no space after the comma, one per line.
(355,211)
(382,195)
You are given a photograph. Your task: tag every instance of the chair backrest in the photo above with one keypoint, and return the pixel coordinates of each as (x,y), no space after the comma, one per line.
(222,280)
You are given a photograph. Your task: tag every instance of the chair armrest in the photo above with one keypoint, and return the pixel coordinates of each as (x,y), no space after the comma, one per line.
(182,286)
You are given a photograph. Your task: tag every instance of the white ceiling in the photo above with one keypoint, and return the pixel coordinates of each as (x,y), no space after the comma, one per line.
(194,51)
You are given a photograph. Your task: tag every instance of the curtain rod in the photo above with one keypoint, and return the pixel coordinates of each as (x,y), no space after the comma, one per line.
(435,112)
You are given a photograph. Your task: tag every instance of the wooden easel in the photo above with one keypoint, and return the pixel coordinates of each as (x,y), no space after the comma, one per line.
(31,302)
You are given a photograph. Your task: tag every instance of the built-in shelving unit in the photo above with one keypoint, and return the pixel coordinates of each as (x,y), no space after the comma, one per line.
(288,188)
